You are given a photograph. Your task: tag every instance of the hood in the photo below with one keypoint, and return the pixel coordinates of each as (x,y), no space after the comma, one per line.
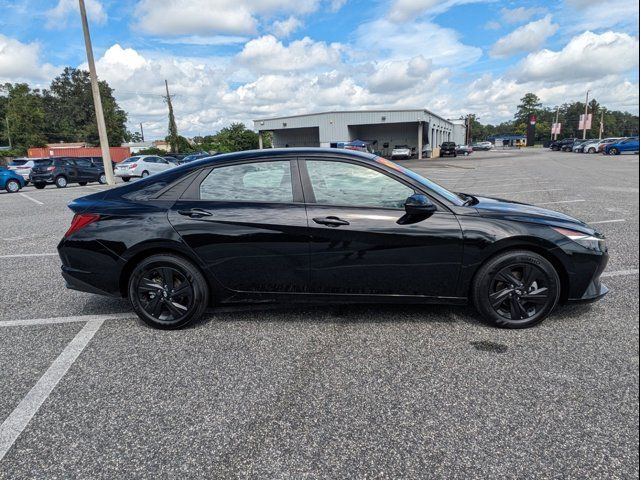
(522,212)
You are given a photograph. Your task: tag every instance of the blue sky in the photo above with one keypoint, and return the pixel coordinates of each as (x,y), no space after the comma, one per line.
(236,60)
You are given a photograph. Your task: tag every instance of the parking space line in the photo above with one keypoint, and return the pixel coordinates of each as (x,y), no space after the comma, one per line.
(527,191)
(620,273)
(20,417)
(57,320)
(37,202)
(27,255)
(561,201)
(599,222)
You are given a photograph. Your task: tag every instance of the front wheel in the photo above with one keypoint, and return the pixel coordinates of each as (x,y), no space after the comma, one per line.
(168,292)
(102,179)
(145,174)
(614,151)
(12,186)
(516,289)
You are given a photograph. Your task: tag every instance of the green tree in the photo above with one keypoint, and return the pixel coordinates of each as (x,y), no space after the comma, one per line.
(234,138)
(529,105)
(70,113)
(24,114)
(173,137)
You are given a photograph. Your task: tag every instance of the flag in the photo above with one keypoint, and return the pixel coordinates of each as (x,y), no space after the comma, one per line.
(585,122)
(556,128)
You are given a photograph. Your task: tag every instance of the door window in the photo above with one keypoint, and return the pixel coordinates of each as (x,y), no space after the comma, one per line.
(249,182)
(340,183)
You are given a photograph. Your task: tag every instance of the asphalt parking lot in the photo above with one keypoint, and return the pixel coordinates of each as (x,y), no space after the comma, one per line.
(88,391)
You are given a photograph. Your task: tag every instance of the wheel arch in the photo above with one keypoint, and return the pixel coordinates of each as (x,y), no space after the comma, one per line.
(155,249)
(523,244)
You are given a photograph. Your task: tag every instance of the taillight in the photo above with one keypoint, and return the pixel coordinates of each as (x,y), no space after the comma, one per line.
(81,220)
(133,165)
(50,169)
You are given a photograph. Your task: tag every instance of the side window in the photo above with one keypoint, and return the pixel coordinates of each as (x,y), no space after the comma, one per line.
(339,183)
(249,182)
(83,162)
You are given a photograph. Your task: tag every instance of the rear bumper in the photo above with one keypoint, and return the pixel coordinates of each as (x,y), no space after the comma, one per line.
(75,280)
(41,178)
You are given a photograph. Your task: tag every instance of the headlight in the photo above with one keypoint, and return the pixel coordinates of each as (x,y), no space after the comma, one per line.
(590,242)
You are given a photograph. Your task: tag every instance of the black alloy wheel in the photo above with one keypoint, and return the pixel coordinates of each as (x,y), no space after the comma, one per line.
(12,186)
(168,292)
(516,289)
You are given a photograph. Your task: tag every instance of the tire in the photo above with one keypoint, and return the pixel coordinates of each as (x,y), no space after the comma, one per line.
(505,300)
(154,304)
(61,182)
(12,186)
(102,179)
(82,184)
(592,150)
(39,186)
(614,151)
(145,174)
(126,179)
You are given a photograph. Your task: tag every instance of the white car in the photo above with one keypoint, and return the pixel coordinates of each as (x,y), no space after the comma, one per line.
(23,166)
(401,151)
(590,147)
(141,166)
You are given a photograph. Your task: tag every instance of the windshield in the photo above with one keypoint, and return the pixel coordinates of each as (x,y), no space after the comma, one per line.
(440,190)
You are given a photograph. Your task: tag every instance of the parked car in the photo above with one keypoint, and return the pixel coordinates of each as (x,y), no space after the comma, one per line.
(628,145)
(607,141)
(465,150)
(141,166)
(563,144)
(177,156)
(590,147)
(194,156)
(401,151)
(448,149)
(323,225)
(578,146)
(23,166)
(61,171)
(482,146)
(10,180)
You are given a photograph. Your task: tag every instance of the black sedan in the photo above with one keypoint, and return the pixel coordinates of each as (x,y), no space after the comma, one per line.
(323,225)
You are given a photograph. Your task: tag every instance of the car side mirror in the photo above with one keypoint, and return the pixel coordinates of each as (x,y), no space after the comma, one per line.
(419,204)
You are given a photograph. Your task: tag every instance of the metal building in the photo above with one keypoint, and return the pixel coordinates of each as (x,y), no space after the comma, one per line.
(383,129)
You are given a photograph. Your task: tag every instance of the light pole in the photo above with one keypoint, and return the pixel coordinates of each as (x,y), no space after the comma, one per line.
(97,102)
(586,109)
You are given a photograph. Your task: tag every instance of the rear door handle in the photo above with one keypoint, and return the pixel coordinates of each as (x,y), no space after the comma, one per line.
(331,221)
(195,213)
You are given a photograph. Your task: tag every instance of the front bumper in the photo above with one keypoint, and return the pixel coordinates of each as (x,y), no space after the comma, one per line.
(595,289)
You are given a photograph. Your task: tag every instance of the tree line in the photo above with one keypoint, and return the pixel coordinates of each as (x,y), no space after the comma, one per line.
(616,123)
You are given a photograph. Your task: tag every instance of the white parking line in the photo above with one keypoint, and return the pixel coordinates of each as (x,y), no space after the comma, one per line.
(37,202)
(57,320)
(17,420)
(599,222)
(620,273)
(561,201)
(527,191)
(27,255)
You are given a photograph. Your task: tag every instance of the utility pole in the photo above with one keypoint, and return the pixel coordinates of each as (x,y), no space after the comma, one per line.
(141,131)
(601,124)
(8,133)
(555,135)
(97,102)
(586,110)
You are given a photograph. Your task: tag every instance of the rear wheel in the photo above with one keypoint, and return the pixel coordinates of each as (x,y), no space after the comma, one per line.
(516,289)
(168,292)
(39,186)
(592,150)
(614,151)
(145,174)
(61,182)
(12,186)
(102,179)
(126,179)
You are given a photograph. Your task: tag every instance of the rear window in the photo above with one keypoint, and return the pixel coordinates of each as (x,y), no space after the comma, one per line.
(42,163)
(131,160)
(17,163)
(448,144)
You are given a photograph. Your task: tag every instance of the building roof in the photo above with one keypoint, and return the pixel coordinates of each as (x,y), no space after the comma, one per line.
(353,112)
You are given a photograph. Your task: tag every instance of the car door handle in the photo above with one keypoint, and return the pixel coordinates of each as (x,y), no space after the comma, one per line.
(195,213)
(330,221)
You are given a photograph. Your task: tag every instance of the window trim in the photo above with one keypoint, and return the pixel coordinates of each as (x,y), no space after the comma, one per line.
(192,193)
(309,193)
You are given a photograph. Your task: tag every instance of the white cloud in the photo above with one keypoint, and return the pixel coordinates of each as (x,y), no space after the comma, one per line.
(213,40)
(383,39)
(267,53)
(284,28)
(396,76)
(520,14)
(527,38)
(406,10)
(186,17)
(586,57)
(21,61)
(596,15)
(57,17)
(336,5)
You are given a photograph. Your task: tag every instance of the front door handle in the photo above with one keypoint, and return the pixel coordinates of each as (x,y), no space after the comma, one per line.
(330,221)
(195,213)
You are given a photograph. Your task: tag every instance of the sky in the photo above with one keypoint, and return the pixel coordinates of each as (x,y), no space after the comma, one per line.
(239,60)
